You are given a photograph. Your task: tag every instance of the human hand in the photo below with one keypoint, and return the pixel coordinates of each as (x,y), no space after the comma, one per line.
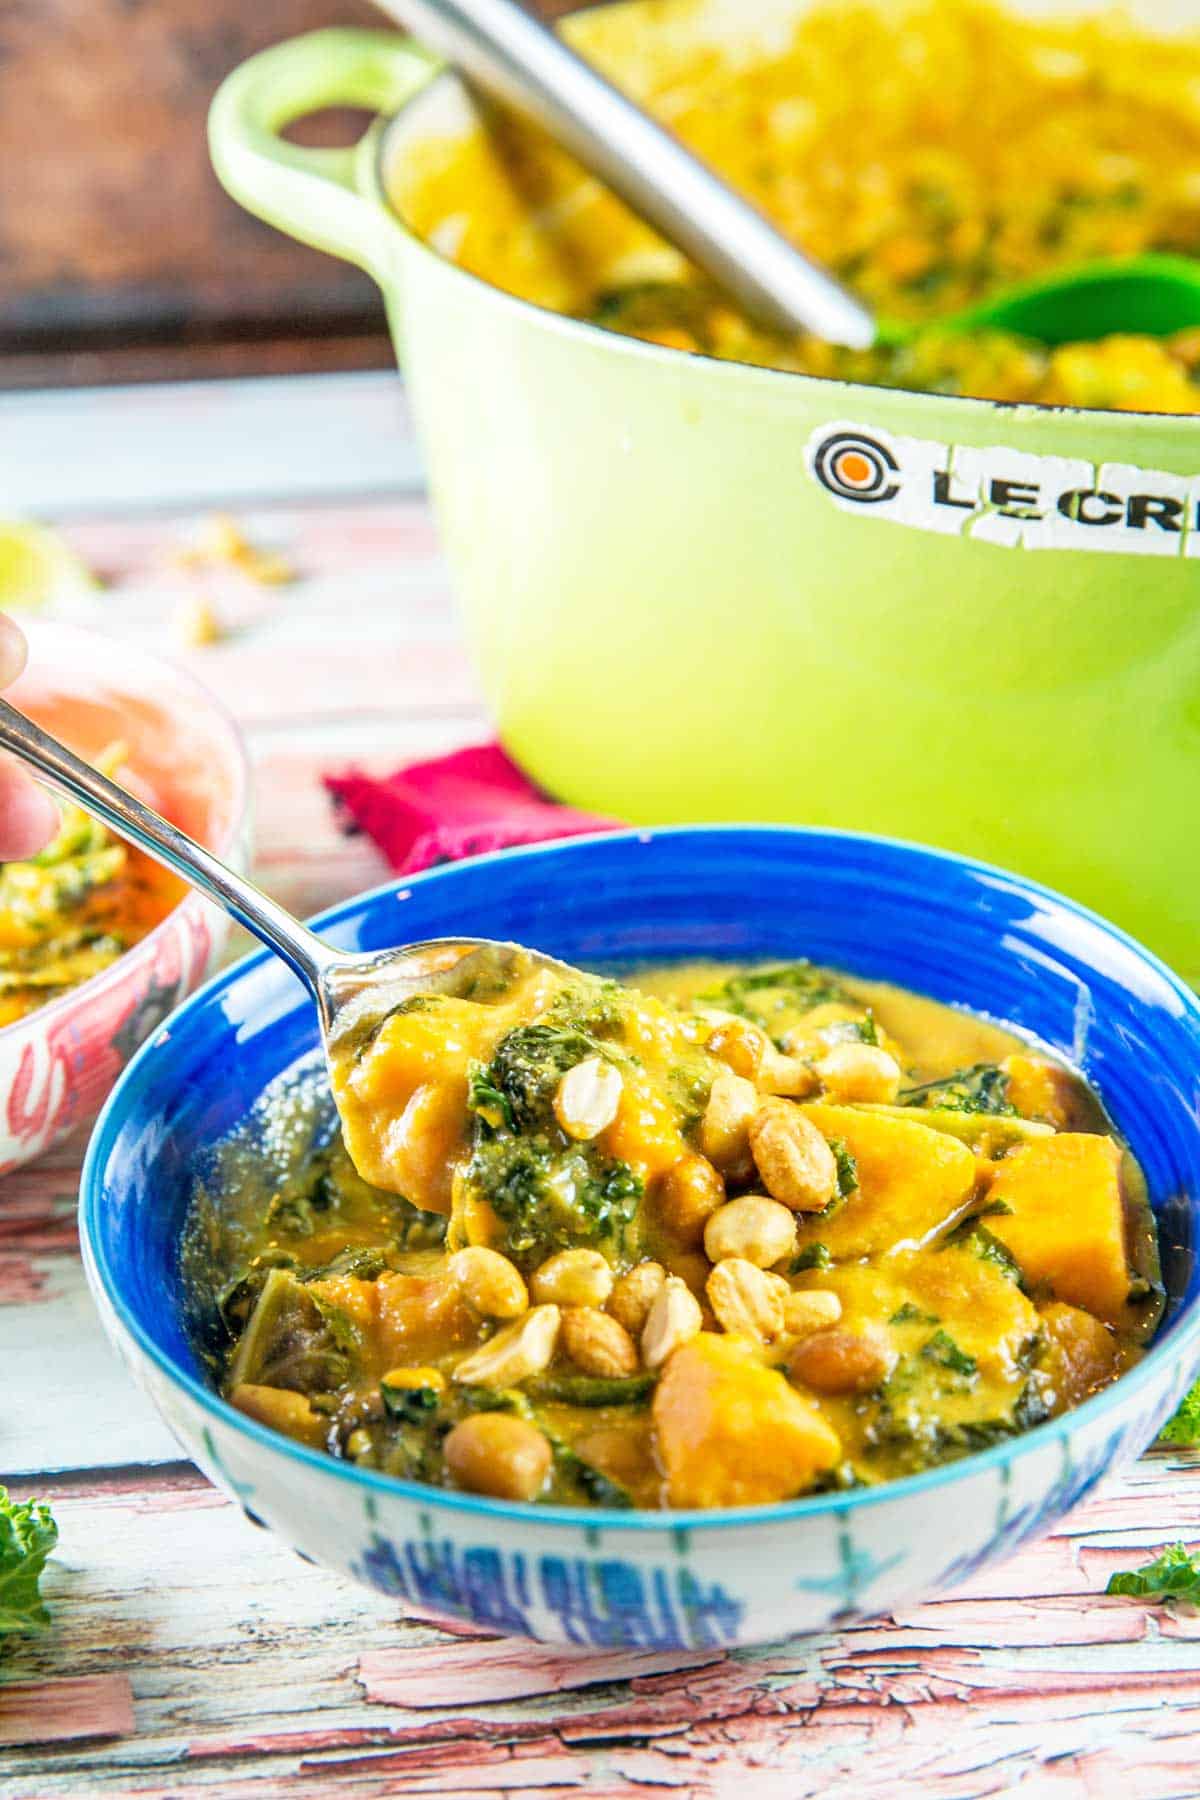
(28,816)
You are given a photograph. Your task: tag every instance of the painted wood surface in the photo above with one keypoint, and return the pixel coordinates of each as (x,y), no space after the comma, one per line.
(190,1651)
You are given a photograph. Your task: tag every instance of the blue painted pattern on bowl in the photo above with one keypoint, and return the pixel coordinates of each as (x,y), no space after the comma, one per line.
(963,933)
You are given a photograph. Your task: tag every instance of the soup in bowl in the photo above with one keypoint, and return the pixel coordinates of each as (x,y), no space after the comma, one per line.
(1040,1033)
(97,943)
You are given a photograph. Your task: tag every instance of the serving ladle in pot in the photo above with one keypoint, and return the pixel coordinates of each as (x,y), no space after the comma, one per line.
(353,992)
(512,56)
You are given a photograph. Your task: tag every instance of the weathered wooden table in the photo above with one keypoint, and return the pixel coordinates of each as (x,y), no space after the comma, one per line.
(191,1653)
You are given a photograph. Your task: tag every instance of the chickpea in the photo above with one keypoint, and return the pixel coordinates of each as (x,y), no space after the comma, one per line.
(597,1344)
(859,1072)
(634,1294)
(839,1361)
(573,1278)
(739,1045)
(753,1228)
(795,1162)
(495,1453)
(688,1195)
(786,1075)
(491,1286)
(809,1310)
(725,1127)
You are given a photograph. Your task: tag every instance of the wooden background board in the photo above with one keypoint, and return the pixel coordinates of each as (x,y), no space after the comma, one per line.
(191,1653)
(122,258)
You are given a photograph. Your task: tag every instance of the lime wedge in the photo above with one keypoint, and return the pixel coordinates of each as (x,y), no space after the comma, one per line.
(39,573)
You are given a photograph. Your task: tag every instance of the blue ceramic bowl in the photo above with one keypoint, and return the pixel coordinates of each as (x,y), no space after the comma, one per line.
(958,931)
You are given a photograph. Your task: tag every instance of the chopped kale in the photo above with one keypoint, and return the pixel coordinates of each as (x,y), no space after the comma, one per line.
(486,1099)
(549,1197)
(847,1169)
(520,1081)
(942,1349)
(596,1007)
(813,1256)
(922,1439)
(295,1338)
(409,1404)
(593,1390)
(908,1314)
(1175,1575)
(988,1248)
(983,1088)
(578,1483)
(775,999)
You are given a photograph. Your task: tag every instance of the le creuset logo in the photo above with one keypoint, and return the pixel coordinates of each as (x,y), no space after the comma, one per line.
(1007,497)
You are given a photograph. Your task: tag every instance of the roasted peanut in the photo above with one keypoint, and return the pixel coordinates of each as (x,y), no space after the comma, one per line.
(786,1075)
(687,1197)
(634,1294)
(795,1162)
(744,1300)
(495,1453)
(759,1230)
(521,1349)
(491,1286)
(740,1045)
(674,1319)
(596,1343)
(838,1361)
(859,1072)
(588,1097)
(573,1278)
(725,1127)
(809,1310)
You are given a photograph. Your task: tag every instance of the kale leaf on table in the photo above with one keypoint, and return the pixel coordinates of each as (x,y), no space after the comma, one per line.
(27,1536)
(1184,1428)
(1175,1575)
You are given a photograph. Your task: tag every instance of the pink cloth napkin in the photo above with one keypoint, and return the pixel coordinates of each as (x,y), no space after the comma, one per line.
(454,806)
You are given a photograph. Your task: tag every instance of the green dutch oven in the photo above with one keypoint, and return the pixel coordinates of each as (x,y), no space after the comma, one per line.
(703,591)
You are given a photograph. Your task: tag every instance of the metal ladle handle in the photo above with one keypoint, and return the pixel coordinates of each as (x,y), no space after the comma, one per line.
(167,844)
(513,56)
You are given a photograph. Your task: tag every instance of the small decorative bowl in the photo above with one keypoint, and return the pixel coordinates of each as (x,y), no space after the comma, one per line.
(961,932)
(187,758)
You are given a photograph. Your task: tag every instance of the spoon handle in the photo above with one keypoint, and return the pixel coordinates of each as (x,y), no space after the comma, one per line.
(513,56)
(166,843)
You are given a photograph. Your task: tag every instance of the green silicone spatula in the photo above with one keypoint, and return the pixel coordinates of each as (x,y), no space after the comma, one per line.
(511,55)
(1150,295)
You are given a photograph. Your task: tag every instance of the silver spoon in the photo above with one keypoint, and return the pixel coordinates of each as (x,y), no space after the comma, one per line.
(511,55)
(354,993)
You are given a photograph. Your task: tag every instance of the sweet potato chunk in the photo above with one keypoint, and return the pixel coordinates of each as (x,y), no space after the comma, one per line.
(1041,1090)
(1067,1224)
(731,1432)
(911,1182)
(1080,1355)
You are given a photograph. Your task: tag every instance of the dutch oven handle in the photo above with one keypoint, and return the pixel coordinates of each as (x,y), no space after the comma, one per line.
(315,195)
